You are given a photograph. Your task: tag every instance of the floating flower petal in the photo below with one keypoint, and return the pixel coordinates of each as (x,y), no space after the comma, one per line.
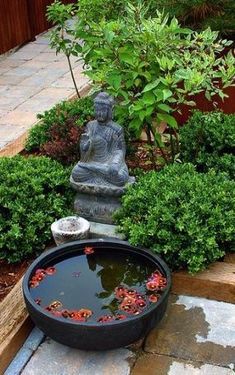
(88,250)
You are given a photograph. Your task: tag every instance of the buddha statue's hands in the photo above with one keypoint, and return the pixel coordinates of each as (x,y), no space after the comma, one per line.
(85,142)
(113,170)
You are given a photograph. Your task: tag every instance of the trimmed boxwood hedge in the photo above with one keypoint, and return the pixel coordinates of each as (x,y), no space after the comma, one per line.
(34,192)
(208,141)
(185,216)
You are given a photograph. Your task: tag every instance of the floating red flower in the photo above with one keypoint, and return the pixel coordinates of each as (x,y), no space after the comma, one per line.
(77,317)
(55,305)
(120,317)
(50,270)
(88,250)
(65,313)
(152,285)
(156,281)
(105,319)
(120,292)
(131,292)
(154,298)
(38,301)
(85,313)
(56,313)
(40,271)
(140,303)
(33,283)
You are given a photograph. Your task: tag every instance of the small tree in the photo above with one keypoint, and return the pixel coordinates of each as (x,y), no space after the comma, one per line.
(62,36)
(152,66)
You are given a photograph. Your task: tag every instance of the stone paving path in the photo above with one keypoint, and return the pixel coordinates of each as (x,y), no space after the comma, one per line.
(32,80)
(197,336)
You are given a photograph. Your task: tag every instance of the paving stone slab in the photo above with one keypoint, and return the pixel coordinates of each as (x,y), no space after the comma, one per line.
(54,358)
(9,132)
(196,329)
(164,365)
(19,117)
(10,79)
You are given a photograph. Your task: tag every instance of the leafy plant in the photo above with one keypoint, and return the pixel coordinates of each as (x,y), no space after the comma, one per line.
(186,216)
(34,192)
(78,111)
(62,37)
(208,141)
(218,14)
(152,66)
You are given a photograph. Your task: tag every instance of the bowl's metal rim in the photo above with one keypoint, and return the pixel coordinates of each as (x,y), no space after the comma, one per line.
(87,242)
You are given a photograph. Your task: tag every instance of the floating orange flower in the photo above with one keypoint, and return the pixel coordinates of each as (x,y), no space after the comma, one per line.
(88,250)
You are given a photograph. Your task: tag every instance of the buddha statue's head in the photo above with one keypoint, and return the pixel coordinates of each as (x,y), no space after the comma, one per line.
(103,107)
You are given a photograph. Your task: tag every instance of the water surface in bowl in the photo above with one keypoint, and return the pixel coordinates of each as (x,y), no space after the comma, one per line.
(94,282)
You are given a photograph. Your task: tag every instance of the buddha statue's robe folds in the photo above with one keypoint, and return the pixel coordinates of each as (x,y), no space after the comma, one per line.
(102,150)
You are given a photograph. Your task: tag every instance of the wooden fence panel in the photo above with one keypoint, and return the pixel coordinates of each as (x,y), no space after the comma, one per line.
(14,24)
(22,20)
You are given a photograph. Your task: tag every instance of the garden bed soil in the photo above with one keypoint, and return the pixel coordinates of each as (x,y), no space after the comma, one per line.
(10,274)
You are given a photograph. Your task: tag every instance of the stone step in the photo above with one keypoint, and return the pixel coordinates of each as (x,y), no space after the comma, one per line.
(99,230)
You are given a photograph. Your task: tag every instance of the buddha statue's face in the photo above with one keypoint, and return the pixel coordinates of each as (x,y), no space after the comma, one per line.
(102,112)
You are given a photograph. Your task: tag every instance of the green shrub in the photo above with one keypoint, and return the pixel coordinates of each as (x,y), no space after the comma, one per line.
(79,111)
(34,192)
(208,141)
(218,14)
(186,216)
(200,14)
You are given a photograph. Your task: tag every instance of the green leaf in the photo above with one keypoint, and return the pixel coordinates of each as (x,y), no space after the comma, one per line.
(109,35)
(158,139)
(164,107)
(170,120)
(115,81)
(135,124)
(166,94)
(149,98)
(151,86)
(126,57)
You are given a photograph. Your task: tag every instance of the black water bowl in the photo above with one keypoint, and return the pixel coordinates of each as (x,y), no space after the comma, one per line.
(89,281)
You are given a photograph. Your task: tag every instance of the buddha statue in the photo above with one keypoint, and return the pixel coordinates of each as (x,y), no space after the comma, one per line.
(102,149)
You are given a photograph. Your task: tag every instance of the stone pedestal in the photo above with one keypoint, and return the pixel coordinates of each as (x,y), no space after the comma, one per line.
(98,202)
